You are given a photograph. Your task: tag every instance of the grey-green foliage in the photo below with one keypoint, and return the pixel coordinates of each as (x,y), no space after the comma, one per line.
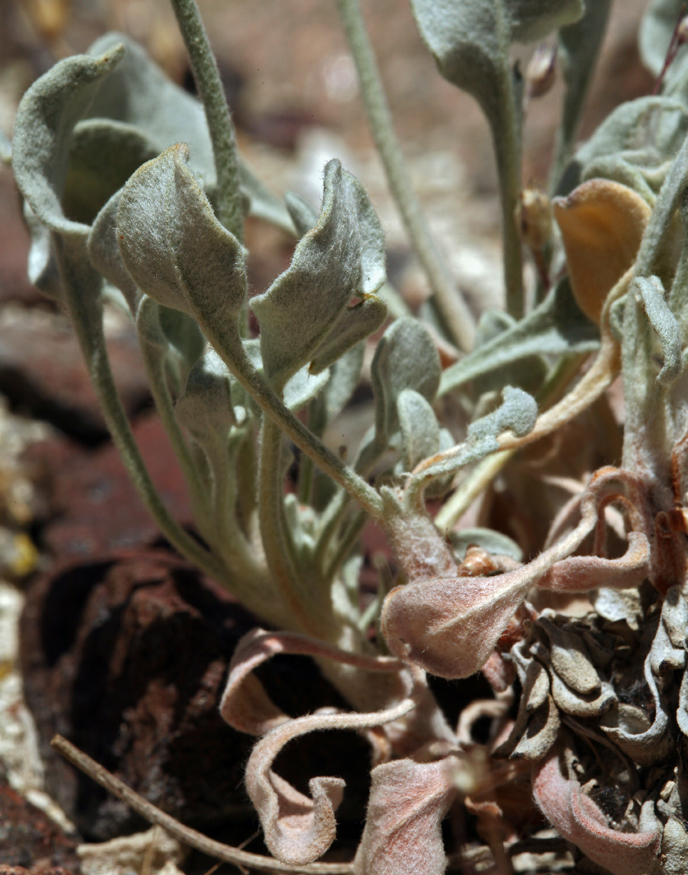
(420,431)
(639,136)
(579,46)
(103,250)
(653,338)
(176,250)
(140,97)
(665,325)
(43,133)
(205,406)
(470,40)
(405,358)
(656,29)
(5,148)
(555,327)
(304,316)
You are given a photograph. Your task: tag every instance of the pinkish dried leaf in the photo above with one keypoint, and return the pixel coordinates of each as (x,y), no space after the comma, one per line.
(579,820)
(408,801)
(247,707)
(450,626)
(298,829)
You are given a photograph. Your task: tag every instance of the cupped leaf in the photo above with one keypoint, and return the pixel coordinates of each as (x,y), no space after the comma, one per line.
(647,131)
(354,324)
(103,250)
(470,40)
(141,96)
(602,224)
(176,250)
(342,256)
(103,156)
(44,131)
(450,626)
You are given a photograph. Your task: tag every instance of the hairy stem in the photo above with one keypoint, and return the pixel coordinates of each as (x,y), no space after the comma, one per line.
(87,321)
(182,833)
(506,136)
(228,346)
(277,543)
(217,113)
(454,310)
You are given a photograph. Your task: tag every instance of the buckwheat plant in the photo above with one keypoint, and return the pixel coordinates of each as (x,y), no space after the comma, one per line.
(135,195)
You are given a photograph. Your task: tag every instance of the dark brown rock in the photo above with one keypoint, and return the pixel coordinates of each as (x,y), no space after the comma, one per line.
(127,658)
(30,841)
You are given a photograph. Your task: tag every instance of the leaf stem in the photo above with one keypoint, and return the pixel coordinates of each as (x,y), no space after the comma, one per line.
(277,542)
(454,310)
(487,469)
(154,364)
(217,113)
(506,137)
(227,343)
(85,312)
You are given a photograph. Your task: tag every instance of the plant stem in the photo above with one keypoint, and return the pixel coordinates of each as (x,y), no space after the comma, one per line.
(277,542)
(154,364)
(487,469)
(346,544)
(85,313)
(217,113)
(506,136)
(478,480)
(458,318)
(229,347)
(185,834)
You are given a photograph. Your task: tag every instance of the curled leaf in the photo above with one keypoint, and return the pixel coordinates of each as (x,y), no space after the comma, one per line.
(298,829)
(246,706)
(304,312)
(104,253)
(44,129)
(581,821)
(408,801)
(602,224)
